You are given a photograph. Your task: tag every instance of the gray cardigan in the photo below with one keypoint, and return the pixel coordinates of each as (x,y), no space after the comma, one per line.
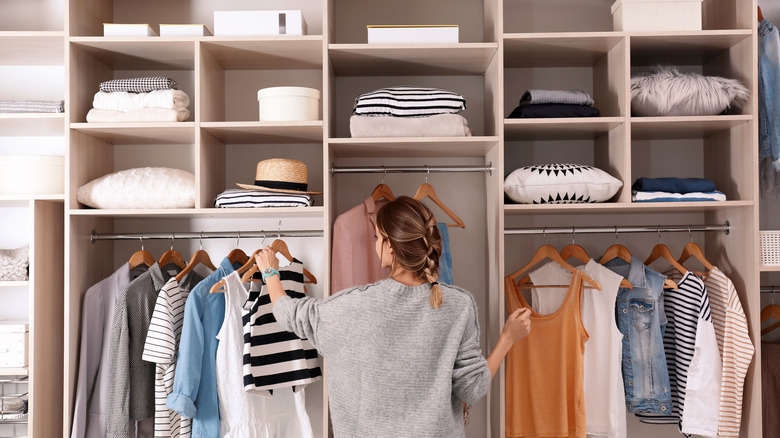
(396,367)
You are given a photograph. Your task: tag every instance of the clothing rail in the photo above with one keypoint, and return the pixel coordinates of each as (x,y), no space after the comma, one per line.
(411,169)
(725,228)
(769,289)
(271,234)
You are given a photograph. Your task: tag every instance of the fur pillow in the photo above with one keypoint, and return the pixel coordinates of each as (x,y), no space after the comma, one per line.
(560,184)
(13,264)
(667,92)
(146,187)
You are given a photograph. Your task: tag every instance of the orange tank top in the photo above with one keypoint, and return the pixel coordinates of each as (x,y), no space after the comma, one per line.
(545,394)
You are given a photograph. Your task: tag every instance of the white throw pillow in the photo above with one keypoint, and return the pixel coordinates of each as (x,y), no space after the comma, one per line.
(13,264)
(560,184)
(146,187)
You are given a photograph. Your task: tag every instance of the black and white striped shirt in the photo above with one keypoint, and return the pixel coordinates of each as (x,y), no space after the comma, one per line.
(273,357)
(409,102)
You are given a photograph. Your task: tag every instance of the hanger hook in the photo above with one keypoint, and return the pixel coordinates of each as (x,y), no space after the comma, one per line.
(544,233)
(428,172)
(658,230)
(689,233)
(279,230)
(384,174)
(773,293)
(142,241)
(172,237)
(263,242)
(573,234)
(238,239)
(616,233)
(201,240)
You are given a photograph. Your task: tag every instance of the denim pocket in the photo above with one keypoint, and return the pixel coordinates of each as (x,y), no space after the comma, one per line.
(641,314)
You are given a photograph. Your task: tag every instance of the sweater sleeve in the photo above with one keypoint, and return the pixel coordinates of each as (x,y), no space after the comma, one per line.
(300,316)
(470,373)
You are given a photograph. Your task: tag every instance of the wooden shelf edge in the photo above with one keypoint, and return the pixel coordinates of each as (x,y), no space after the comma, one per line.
(618,207)
(315,211)
(23,371)
(19,283)
(381,140)
(27,198)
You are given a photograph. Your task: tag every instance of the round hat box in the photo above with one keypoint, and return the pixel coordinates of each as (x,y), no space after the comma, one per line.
(277,104)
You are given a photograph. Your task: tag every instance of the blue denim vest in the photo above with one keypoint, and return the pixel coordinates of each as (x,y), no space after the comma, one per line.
(768,92)
(641,319)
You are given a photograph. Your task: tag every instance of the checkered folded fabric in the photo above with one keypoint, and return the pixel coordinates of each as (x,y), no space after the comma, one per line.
(138,85)
(32,106)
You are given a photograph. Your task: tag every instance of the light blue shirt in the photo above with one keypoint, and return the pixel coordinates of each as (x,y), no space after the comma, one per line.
(195,384)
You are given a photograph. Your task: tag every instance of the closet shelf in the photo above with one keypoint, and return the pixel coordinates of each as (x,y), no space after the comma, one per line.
(129,53)
(21,283)
(32,124)
(265,132)
(267,53)
(140,133)
(767,268)
(317,212)
(413,146)
(32,48)
(23,200)
(623,207)
(664,128)
(559,128)
(575,49)
(14,372)
(411,59)
(684,48)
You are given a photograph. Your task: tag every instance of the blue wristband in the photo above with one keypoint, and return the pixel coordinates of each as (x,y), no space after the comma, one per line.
(273,272)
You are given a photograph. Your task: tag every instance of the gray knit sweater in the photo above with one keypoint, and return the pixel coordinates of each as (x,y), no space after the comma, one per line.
(396,367)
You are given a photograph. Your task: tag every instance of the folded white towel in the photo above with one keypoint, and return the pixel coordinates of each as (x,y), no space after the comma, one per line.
(441,125)
(124,101)
(139,115)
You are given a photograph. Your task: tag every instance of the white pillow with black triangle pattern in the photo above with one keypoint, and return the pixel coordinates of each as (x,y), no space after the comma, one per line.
(560,184)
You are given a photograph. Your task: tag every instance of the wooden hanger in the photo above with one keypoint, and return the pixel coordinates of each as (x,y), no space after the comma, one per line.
(548,251)
(281,247)
(691,249)
(382,191)
(770,311)
(141,257)
(760,15)
(616,251)
(199,258)
(427,190)
(171,256)
(662,251)
(579,253)
(237,256)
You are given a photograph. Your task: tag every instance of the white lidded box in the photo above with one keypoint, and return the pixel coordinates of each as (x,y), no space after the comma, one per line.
(184,30)
(32,174)
(14,343)
(128,30)
(277,104)
(412,34)
(656,15)
(281,22)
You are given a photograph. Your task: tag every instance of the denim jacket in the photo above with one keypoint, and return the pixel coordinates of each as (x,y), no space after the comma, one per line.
(769,92)
(641,319)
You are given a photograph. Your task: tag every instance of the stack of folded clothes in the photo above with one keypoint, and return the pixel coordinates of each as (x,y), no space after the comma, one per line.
(675,190)
(32,106)
(554,103)
(13,407)
(149,99)
(242,198)
(407,111)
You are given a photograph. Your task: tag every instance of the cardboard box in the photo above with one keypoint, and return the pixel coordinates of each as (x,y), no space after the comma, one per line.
(127,30)
(427,34)
(184,30)
(656,15)
(14,344)
(282,22)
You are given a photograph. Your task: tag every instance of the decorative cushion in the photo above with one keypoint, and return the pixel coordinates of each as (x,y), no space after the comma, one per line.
(146,187)
(667,92)
(560,184)
(13,264)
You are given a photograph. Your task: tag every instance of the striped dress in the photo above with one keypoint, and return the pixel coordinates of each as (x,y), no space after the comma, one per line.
(273,357)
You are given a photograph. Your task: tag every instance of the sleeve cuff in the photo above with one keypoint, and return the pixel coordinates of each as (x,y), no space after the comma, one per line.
(181,404)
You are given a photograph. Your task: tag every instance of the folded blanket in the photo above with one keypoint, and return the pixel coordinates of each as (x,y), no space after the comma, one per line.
(548,110)
(241,198)
(442,125)
(139,115)
(672,197)
(124,101)
(408,102)
(673,185)
(569,97)
(14,405)
(138,85)
(32,106)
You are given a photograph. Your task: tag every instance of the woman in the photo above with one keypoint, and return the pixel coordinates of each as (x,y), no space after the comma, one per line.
(403,353)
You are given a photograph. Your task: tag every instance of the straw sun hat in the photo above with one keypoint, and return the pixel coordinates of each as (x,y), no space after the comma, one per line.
(281,175)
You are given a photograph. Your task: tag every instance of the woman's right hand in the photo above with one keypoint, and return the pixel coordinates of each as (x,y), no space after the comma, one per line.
(518,325)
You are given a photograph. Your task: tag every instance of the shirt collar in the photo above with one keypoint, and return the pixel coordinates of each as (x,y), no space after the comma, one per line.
(225,267)
(636,273)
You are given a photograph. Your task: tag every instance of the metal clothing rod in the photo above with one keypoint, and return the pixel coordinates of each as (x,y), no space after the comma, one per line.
(725,228)
(769,289)
(411,169)
(271,234)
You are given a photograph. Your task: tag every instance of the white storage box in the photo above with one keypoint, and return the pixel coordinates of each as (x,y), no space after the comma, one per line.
(770,248)
(32,174)
(381,34)
(278,104)
(14,343)
(656,15)
(128,30)
(285,22)
(184,30)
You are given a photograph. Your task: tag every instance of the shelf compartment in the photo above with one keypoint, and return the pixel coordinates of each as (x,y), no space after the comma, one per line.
(411,59)
(660,128)
(559,128)
(575,49)
(413,146)
(139,133)
(32,48)
(192,213)
(683,48)
(32,124)
(276,52)
(622,207)
(127,53)
(265,132)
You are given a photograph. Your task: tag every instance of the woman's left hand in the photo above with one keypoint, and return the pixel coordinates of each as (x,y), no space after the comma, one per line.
(266,259)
